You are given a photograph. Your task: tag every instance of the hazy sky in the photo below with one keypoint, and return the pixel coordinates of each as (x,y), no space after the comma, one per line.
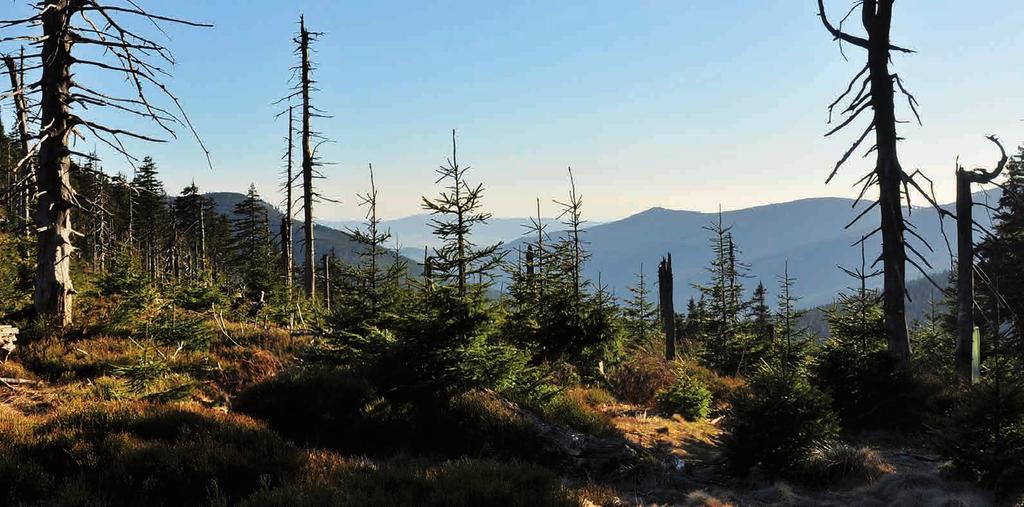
(683,104)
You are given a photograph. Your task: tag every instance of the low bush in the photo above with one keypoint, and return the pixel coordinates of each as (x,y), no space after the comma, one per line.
(331,480)
(687,396)
(182,330)
(776,421)
(140,453)
(837,463)
(340,409)
(870,391)
(576,408)
(640,376)
(721,386)
(983,434)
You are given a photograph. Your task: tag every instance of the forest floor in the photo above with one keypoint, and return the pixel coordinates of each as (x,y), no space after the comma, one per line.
(912,475)
(76,377)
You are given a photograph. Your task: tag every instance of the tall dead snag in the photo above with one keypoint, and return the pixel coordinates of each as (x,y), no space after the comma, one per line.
(287,247)
(876,86)
(308,156)
(16,71)
(667,306)
(302,89)
(65,24)
(965,258)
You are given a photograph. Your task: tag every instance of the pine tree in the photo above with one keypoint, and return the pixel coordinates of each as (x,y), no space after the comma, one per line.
(457,211)
(792,334)
(761,321)
(151,216)
(253,247)
(370,289)
(724,342)
(193,214)
(640,313)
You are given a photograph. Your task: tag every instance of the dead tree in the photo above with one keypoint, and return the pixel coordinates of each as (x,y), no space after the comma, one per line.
(65,24)
(665,303)
(965,258)
(16,71)
(876,89)
(287,248)
(327,281)
(303,89)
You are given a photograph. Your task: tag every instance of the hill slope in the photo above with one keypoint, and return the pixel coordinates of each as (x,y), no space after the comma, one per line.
(807,234)
(327,238)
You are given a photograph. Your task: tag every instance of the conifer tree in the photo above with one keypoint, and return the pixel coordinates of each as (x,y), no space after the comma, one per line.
(641,314)
(151,214)
(456,212)
(253,248)
(761,321)
(791,332)
(371,287)
(193,214)
(725,304)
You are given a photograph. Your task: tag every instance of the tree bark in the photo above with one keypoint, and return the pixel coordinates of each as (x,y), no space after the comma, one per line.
(965,260)
(665,302)
(54,290)
(964,276)
(307,164)
(890,178)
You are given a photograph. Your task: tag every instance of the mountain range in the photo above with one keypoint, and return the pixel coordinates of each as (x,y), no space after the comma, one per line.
(808,237)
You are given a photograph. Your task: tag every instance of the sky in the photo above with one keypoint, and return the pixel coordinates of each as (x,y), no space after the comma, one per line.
(682,104)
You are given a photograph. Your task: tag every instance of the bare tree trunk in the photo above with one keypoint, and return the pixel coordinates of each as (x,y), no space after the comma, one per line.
(665,302)
(876,92)
(965,261)
(287,248)
(964,276)
(21,110)
(890,177)
(53,289)
(327,282)
(307,164)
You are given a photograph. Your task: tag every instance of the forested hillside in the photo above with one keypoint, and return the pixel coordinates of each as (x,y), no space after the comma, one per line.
(166,346)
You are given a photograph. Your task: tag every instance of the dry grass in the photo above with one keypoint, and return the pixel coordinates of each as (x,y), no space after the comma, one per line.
(136,452)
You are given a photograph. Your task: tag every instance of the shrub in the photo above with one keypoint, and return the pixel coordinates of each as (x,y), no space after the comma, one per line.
(869,390)
(721,386)
(687,397)
(575,408)
(839,463)
(142,374)
(639,378)
(340,409)
(181,330)
(983,434)
(776,420)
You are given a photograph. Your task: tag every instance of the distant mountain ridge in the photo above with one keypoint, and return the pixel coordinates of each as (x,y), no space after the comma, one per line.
(326,239)
(808,234)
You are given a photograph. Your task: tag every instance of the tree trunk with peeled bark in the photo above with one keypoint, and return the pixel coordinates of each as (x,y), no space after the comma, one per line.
(53,289)
(965,261)
(309,275)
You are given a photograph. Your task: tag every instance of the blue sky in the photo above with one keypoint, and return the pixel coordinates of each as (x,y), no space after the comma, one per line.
(683,104)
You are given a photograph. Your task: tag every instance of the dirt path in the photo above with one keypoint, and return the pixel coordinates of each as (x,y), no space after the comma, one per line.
(697,475)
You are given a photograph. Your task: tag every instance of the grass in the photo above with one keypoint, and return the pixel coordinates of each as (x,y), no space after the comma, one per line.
(137,452)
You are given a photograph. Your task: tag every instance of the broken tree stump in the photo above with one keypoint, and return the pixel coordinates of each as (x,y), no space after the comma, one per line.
(8,335)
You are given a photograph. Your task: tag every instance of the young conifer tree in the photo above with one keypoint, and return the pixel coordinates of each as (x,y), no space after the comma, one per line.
(457,211)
